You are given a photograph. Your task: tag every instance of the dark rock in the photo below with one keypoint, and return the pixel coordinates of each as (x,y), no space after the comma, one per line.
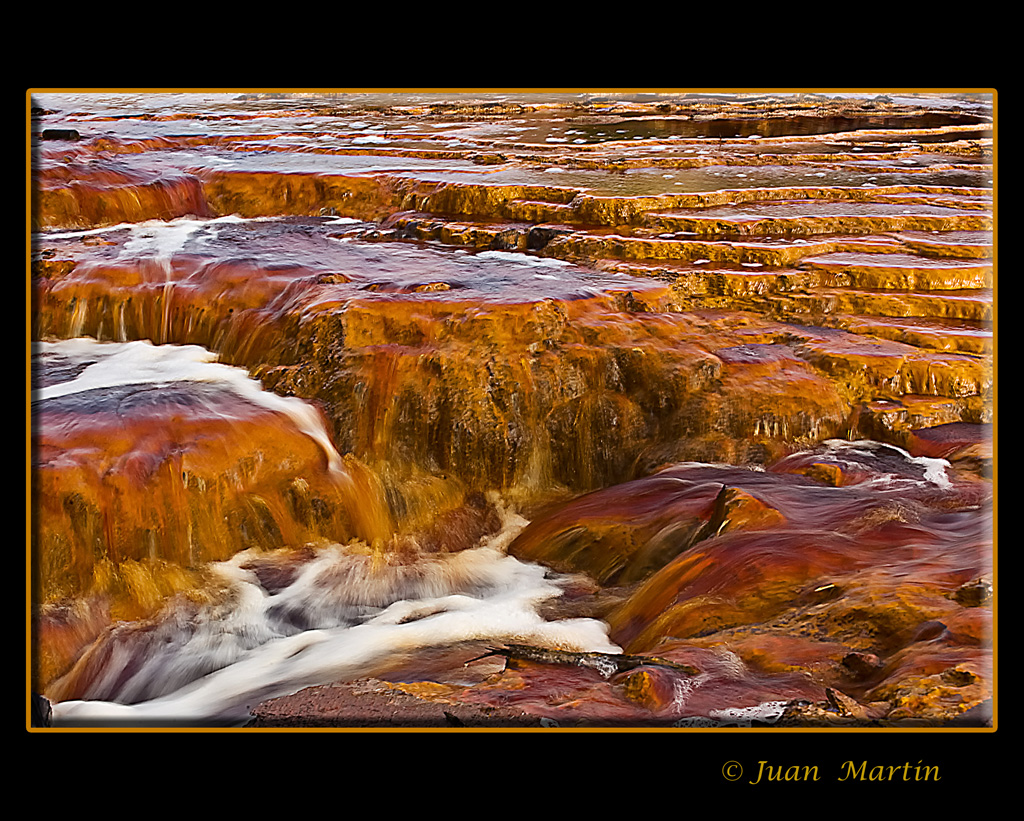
(512,239)
(974,594)
(541,235)
(60,134)
(606,664)
(956,677)
(862,665)
(41,711)
(978,716)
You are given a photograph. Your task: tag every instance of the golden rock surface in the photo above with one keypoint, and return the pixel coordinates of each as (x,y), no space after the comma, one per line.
(566,304)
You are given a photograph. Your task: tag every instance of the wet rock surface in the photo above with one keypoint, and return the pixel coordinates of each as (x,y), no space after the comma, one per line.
(375,704)
(731,359)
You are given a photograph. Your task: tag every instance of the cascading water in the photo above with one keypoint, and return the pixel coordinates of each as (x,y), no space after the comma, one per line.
(213,666)
(350,610)
(487,403)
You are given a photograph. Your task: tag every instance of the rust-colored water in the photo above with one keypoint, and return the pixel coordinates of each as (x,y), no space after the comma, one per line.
(326,391)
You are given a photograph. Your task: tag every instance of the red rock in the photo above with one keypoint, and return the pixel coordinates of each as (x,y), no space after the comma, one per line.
(582,393)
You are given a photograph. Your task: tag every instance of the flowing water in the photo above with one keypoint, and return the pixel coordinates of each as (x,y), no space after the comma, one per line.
(327,388)
(346,614)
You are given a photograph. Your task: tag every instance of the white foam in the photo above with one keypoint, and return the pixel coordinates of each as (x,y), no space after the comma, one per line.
(121,226)
(934,468)
(682,688)
(141,362)
(478,594)
(523,259)
(160,239)
(155,237)
(768,712)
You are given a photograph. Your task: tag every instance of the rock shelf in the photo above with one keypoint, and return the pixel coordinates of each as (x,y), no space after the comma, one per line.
(561,301)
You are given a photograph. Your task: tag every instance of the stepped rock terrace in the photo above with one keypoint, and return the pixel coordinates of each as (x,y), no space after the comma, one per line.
(702,358)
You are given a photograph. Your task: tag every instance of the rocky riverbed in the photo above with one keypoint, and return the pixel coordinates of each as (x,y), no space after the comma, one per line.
(434,411)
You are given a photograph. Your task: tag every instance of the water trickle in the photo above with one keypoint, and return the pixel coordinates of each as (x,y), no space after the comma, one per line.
(643,318)
(142,363)
(355,620)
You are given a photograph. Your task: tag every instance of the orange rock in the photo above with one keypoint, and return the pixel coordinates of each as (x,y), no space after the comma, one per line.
(180,482)
(650,687)
(75,191)
(826,474)
(253,194)
(745,323)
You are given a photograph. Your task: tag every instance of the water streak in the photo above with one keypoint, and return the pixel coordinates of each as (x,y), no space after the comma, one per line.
(353,629)
(142,363)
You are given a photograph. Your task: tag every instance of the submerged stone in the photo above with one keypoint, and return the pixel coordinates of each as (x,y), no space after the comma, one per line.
(732,357)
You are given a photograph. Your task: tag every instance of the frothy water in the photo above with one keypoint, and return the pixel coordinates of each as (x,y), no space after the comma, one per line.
(767,712)
(357,618)
(524,259)
(160,240)
(876,454)
(114,364)
(348,612)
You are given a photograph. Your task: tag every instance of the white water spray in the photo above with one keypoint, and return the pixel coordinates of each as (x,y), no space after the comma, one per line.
(161,241)
(115,364)
(347,612)
(358,621)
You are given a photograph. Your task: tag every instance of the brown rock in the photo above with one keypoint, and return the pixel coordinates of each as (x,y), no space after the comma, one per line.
(846,706)
(787,314)
(376,704)
(862,665)
(650,687)
(975,593)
